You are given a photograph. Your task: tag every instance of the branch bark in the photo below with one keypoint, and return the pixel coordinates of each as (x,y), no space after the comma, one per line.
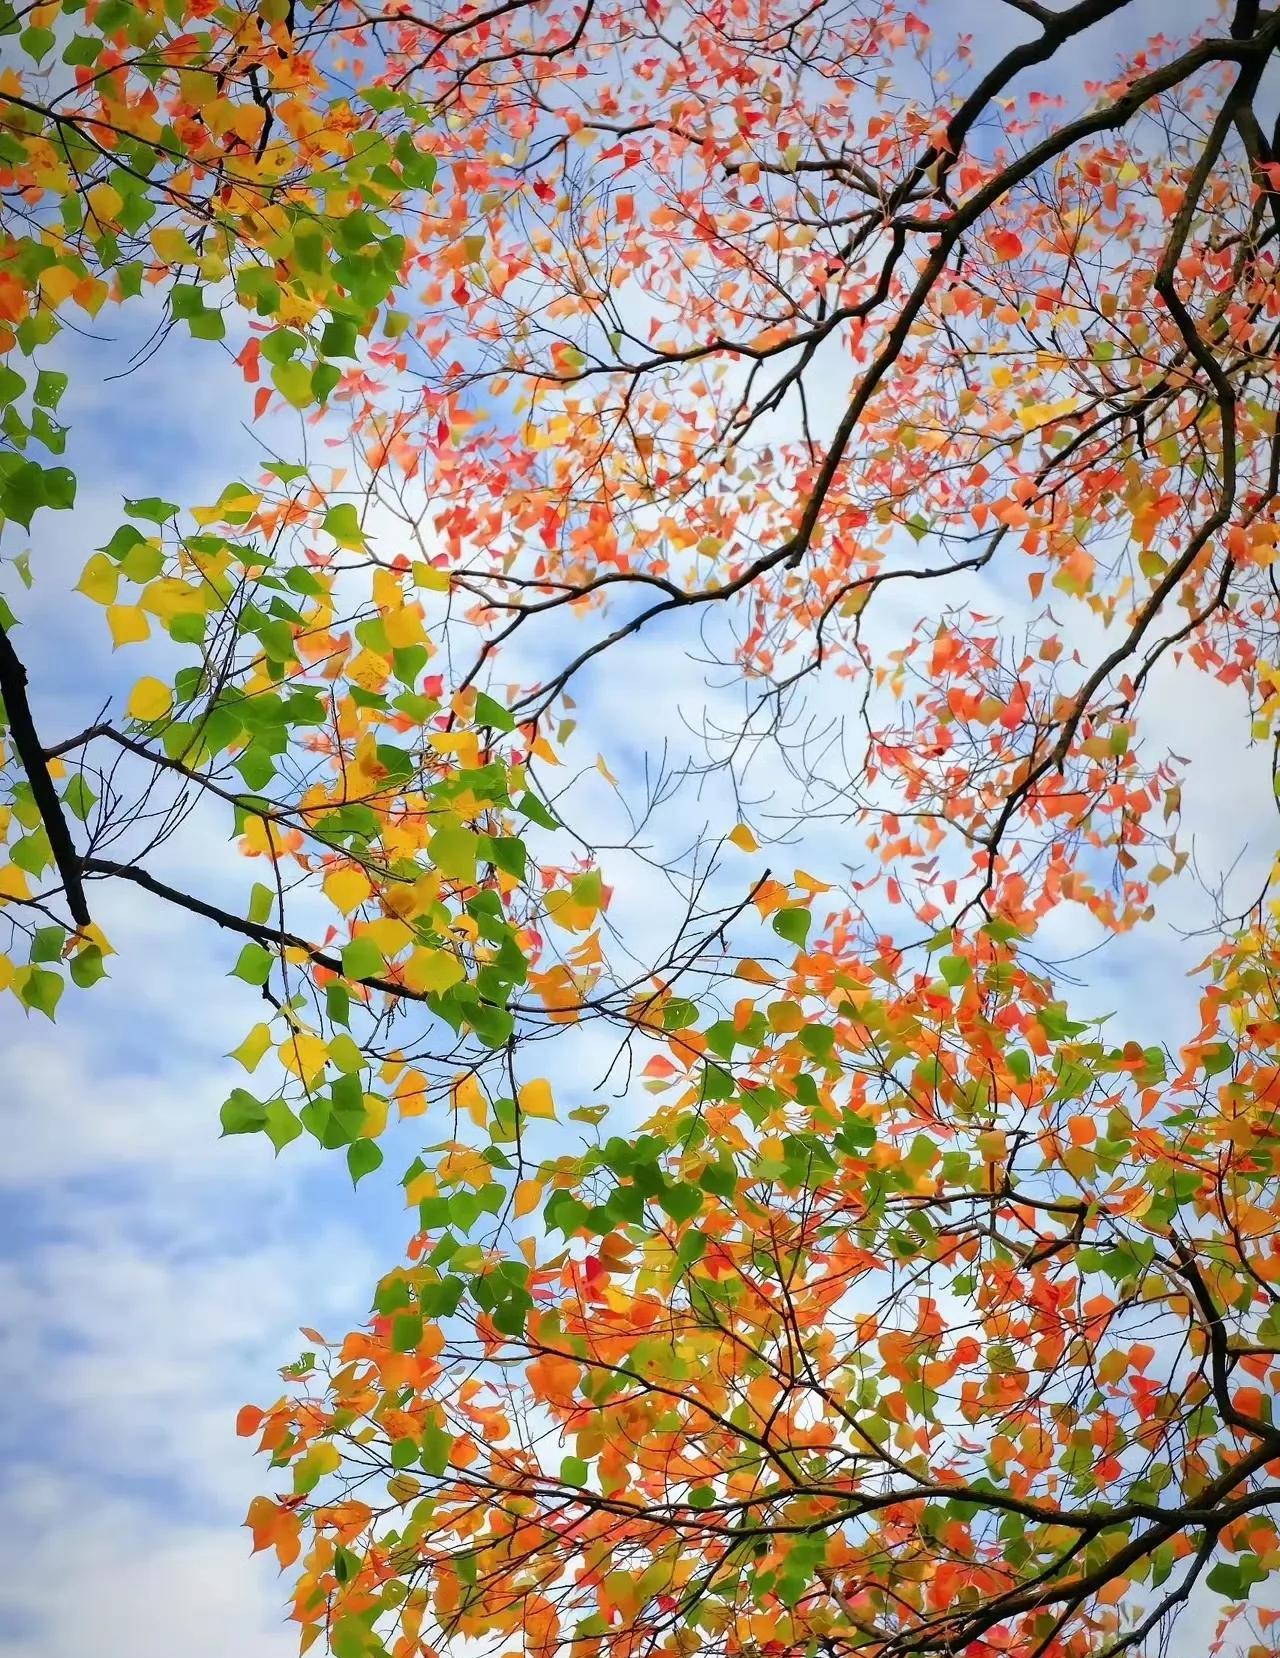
(30,752)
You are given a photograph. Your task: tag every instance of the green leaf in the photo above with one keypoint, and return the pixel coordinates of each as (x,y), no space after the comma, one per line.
(47,943)
(293,382)
(37,42)
(280,1125)
(254,964)
(536,812)
(362,959)
(793,925)
(339,338)
(491,713)
(363,1158)
(437,1445)
(406,1332)
(261,902)
(343,524)
(681,1201)
(242,1114)
(453,852)
(573,1471)
(87,967)
(41,990)
(345,1054)
(150,507)
(78,797)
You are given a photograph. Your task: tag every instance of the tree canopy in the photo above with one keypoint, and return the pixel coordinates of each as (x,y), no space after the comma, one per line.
(911,374)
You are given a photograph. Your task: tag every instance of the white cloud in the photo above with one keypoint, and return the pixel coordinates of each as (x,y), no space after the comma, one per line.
(120,1579)
(152,1280)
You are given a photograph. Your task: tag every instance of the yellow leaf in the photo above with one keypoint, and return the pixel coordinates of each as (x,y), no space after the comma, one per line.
(403,628)
(742,838)
(99,579)
(173,247)
(303,1055)
(57,285)
(258,840)
(465,1167)
(403,1487)
(253,1047)
(389,934)
(1032,415)
(421,1186)
(168,597)
(128,624)
(435,581)
(345,888)
(13,883)
(411,1095)
(325,1457)
(376,1109)
(105,201)
(1112,1365)
(93,934)
(528,1195)
(431,971)
(150,699)
(536,1100)
(468,1096)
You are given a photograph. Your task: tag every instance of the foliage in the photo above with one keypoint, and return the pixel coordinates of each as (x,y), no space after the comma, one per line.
(919,1315)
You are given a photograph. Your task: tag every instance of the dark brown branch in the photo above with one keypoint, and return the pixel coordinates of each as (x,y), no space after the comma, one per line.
(27,745)
(258,931)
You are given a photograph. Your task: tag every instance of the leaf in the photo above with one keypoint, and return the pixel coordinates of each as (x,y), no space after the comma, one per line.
(99,580)
(242,1114)
(303,1055)
(347,888)
(536,1099)
(433,971)
(87,967)
(454,853)
(363,1158)
(293,381)
(362,959)
(254,964)
(280,1125)
(343,524)
(152,508)
(527,1197)
(79,798)
(41,991)
(681,1201)
(251,1050)
(150,699)
(793,925)
(128,624)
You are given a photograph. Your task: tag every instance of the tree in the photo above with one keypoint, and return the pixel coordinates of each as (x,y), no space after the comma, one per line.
(921,1315)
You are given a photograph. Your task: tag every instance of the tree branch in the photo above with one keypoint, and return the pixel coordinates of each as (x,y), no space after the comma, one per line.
(27,745)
